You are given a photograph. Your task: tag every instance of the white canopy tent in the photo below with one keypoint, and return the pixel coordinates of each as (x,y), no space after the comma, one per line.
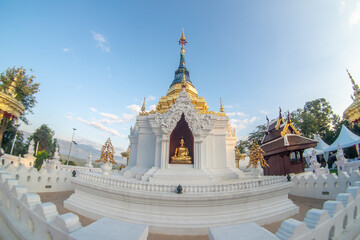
(346,139)
(320,147)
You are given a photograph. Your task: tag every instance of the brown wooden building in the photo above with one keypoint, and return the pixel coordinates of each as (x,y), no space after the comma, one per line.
(284,147)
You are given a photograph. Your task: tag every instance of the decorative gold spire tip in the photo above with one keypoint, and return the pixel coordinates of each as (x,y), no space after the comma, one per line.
(182,40)
(143,106)
(221,106)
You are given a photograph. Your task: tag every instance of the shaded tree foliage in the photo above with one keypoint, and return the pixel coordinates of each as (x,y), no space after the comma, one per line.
(316,117)
(25,91)
(44,136)
(40,158)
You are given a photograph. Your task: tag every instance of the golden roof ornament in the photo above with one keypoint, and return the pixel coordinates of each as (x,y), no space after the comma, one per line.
(355,86)
(221,106)
(107,153)
(143,106)
(352,113)
(182,40)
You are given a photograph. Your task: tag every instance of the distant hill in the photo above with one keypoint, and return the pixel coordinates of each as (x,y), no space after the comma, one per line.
(80,152)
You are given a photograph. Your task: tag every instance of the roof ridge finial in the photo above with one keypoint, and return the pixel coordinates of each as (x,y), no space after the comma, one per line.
(221,106)
(182,40)
(143,106)
(280,114)
(289,117)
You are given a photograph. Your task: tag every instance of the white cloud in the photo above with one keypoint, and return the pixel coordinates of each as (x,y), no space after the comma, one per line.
(93,109)
(236,114)
(78,87)
(134,107)
(341,6)
(70,117)
(228,106)
(151,98)
(66,50)
(99,126)
(100,41)
(264,112)
(242,123)
(110,115)
(355,16)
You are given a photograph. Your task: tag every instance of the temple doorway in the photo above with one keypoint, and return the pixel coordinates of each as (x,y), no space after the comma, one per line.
(181,131)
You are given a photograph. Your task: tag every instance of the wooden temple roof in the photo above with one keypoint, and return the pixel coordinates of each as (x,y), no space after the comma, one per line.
(282,136)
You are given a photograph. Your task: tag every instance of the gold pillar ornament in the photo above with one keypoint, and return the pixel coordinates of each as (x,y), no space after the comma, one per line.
(143,106)
(107,153)
(221,106)
(257,156)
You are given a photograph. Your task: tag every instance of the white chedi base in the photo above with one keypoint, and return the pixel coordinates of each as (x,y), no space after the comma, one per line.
(106,168)
(200,206)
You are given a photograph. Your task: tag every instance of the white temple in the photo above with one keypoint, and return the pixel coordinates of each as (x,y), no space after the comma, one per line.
(182,143)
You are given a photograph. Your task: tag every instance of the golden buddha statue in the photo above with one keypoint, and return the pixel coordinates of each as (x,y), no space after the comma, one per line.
(181,154)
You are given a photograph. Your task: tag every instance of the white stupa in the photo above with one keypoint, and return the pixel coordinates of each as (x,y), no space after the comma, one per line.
(182,143)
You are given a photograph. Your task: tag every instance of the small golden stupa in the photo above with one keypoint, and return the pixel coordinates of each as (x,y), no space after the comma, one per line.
(10,108)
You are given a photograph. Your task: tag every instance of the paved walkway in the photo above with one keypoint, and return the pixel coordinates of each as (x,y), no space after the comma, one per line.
(304,204)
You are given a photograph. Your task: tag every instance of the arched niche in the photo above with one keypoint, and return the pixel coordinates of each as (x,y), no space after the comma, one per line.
(181,130)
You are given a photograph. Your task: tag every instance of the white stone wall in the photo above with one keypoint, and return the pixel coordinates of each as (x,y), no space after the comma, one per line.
(24,216)
(16,160)
(41,181)
(337,220)
(323,187)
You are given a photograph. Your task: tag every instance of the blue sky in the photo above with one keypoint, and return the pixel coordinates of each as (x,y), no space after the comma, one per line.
(96,60)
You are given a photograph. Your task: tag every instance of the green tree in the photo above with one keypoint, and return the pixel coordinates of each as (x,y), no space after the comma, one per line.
(25,91)
(256,135)
(44,136)
(317,117)
(19,147)
(40,157)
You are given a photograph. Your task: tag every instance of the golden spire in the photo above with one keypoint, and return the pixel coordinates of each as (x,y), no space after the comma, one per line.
(221,106)
(355,86)
(182,40)
(143,106)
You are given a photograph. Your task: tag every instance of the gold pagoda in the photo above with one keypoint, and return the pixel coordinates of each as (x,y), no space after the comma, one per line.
(352,113)
(182,80)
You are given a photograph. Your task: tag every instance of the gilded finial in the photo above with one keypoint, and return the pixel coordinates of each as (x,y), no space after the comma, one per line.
(182,40)
(143,106)
(355,86)
(221,106)
(351,78)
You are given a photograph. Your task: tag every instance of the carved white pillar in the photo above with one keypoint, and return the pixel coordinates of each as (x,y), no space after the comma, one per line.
(197,153)
(133,150)
(158,152)
(164,151)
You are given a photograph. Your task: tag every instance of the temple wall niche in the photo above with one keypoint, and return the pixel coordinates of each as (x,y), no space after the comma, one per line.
(181,130)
